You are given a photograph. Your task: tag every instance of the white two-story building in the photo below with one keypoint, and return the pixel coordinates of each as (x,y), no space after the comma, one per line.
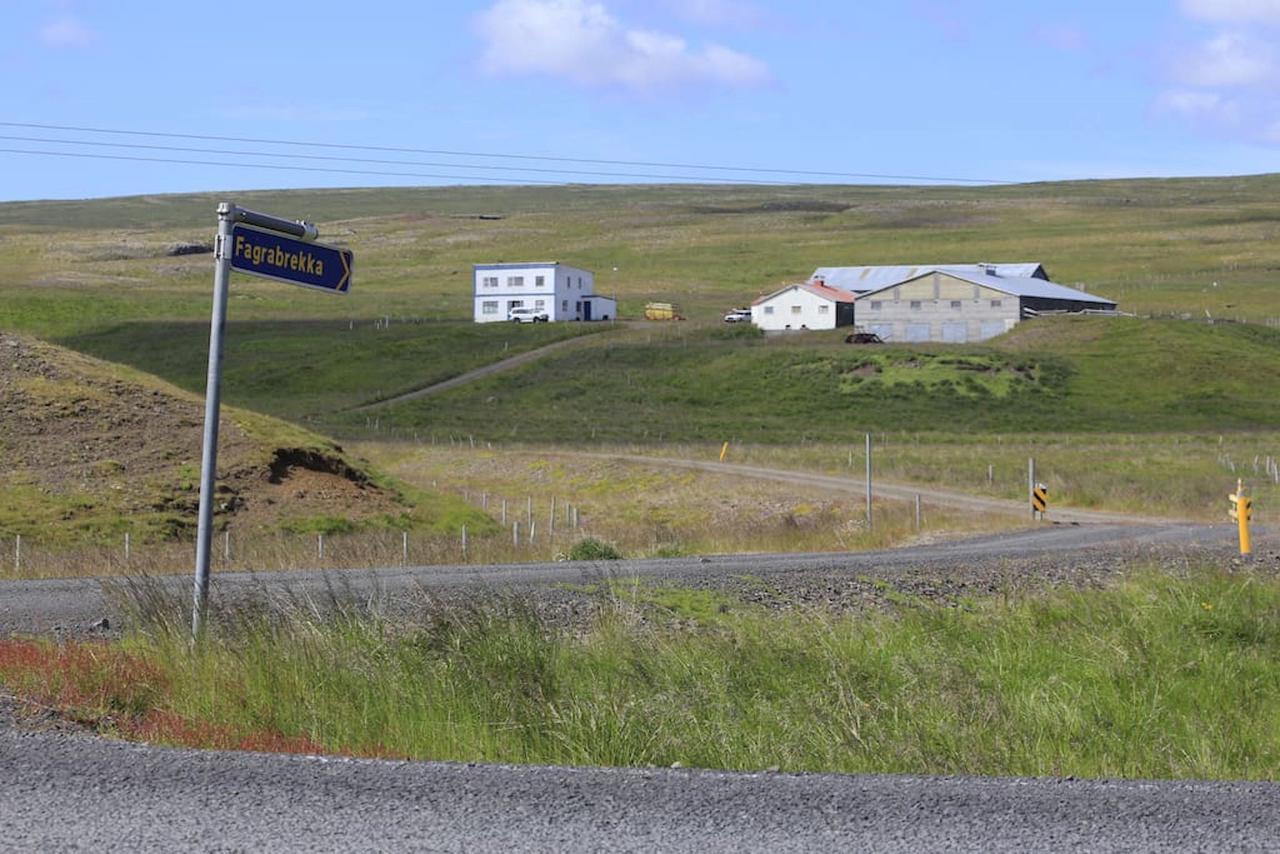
(558,290)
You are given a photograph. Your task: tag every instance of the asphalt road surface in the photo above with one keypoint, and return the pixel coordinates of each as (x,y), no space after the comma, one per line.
(75,792)
(72,791)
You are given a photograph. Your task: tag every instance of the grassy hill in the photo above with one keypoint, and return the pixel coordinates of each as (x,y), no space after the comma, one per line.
(90,451)
(705,383)
(111,278)
(1153,245)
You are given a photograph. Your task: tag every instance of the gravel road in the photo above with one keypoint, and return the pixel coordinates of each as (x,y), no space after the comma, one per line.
(1049,555)
(885,489)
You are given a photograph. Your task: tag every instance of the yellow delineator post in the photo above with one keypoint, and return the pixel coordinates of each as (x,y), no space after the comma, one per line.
(724,451)
(1242,511)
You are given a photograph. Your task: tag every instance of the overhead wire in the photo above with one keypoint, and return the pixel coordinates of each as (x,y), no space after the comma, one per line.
(279,166)
(508,155)
(377,161)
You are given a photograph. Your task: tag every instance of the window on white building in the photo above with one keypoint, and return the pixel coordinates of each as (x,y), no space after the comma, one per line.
(822,309)
(995,303)
(515,281)
(538,303)
(875,305)
(915,305)
(955,305)
(564,305)
(489,306)
(768,309)
(539,281)
(515,303)
(489,282)
(797,309)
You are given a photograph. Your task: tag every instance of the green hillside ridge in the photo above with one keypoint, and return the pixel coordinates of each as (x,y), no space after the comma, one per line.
(1048,375)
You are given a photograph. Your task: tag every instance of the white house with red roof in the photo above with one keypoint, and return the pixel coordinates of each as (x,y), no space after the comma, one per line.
(807,305)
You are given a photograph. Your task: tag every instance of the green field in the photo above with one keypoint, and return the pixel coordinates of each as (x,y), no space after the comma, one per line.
(299,369)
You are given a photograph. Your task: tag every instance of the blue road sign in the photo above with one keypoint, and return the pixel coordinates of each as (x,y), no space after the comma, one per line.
(275,256)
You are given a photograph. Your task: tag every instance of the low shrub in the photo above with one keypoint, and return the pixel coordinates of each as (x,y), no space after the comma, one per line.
(590,548)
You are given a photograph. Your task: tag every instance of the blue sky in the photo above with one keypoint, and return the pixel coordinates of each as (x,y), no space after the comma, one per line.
(986,89)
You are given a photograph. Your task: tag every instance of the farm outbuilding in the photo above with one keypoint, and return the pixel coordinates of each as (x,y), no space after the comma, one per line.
(558,290)
(808,305)
(957,305)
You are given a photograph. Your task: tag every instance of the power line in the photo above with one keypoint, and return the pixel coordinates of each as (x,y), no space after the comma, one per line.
(508,156)
(332,158)
(279,166)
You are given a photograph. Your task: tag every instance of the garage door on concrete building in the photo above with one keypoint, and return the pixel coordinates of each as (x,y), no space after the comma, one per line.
(955,331)
(992,328)
(884,330)
(917,332)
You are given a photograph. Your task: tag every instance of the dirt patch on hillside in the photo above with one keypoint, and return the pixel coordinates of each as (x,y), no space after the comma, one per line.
(87,452)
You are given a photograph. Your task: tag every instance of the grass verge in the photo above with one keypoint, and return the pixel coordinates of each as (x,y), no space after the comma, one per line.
(1158,677)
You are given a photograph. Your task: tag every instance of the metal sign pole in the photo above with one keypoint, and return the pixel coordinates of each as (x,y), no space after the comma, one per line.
(263,250)
(1031,485)
(868,481)
(212,402)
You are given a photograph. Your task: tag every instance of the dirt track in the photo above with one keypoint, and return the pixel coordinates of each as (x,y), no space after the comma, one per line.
(885,489)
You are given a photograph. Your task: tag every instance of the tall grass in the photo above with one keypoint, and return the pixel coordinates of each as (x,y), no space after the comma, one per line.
(1164,677)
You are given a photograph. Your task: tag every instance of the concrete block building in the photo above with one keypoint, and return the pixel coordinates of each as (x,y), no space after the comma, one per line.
(957,305)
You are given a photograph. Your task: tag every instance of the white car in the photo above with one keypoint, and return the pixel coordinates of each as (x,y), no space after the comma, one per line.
(738,315)
(527,315)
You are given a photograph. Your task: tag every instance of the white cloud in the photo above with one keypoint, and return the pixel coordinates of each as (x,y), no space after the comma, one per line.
(1229,59)
(579,41)
(1229,83)
(66,31)
(1232,11)
(1198,105)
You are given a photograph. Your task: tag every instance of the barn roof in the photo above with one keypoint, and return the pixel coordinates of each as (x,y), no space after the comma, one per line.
(1018,286)
(829,293)
(862,279)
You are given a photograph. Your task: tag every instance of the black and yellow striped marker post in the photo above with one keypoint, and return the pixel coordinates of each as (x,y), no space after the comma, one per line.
(1040,499)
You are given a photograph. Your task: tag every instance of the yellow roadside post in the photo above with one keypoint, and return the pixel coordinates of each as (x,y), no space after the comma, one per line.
(1040,500)
(724,451)
(1242,511)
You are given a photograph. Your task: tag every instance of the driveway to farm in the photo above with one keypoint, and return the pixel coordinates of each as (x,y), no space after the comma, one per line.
(479,373)
(883,489)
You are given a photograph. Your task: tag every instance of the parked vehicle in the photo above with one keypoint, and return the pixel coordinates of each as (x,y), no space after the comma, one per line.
(527,315)
(863,338)
(738,315)
(661,311)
